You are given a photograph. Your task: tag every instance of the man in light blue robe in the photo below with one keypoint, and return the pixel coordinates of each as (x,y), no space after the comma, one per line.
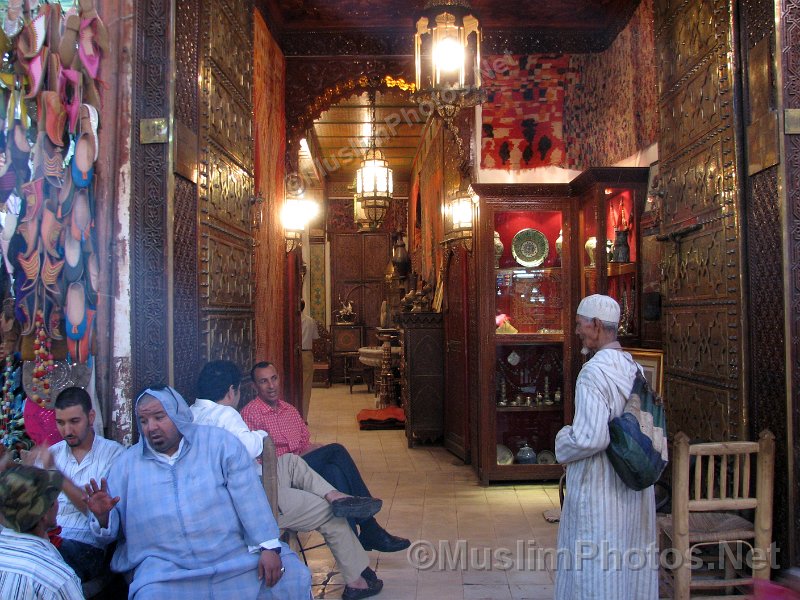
(190,515)
(607,544)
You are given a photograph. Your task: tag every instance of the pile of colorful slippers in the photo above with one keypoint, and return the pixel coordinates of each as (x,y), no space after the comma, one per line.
(49,116)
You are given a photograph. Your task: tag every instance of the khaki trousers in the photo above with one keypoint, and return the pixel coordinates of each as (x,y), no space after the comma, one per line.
(308,380)
(302,507)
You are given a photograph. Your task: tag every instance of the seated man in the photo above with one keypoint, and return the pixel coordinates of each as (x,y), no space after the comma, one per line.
(268,412)
(80,456)
(30,567)
(305,500)
(191,517)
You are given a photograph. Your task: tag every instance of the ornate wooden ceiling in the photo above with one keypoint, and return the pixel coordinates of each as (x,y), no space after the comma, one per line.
(330,45)
(386,26)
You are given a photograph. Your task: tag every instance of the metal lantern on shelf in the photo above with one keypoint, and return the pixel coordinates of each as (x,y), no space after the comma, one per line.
(374,183)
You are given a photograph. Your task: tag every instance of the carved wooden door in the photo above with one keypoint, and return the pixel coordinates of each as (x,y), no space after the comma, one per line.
(456,320)
(698,146)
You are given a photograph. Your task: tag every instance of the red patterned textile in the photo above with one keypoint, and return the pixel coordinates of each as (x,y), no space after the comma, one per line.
(524,112)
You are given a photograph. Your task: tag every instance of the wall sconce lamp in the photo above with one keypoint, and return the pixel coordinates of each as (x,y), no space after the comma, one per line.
(296,213)
(459,213)
(447,56)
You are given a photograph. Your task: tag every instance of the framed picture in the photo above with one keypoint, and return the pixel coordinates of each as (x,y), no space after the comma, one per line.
(652,362)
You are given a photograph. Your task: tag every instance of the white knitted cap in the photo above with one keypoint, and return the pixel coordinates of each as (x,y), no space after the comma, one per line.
(600,307)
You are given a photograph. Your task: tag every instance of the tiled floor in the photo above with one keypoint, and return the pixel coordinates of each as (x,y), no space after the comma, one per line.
(469,542)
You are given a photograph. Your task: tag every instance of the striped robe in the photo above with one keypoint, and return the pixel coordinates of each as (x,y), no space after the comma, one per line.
(607,543)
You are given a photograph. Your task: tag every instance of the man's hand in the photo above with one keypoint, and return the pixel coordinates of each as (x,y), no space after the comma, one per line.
(38,455)
(270,568)
(100,501)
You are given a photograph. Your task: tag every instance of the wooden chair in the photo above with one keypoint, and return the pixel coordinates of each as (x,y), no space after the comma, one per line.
(269,479)
(708,479)
(322,358)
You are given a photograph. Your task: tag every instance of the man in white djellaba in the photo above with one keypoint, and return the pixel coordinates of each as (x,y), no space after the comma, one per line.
(607,544)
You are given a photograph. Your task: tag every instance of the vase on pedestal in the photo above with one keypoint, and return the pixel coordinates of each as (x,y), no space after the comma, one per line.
(590,246)
(498,250)
(622,251)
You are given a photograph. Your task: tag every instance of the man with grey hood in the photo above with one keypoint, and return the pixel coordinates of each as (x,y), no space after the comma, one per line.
(189,514)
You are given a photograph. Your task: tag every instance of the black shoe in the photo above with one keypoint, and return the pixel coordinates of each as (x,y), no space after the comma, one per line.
(382,541)
(374,587)
(356,507)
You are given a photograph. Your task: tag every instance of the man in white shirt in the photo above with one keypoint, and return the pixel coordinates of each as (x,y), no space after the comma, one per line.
(305,500)
(30,567)
(308,327)
(80,457)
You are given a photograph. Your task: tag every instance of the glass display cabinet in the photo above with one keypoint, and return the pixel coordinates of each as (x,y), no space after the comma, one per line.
(539,249)
(524,261)
(609,237)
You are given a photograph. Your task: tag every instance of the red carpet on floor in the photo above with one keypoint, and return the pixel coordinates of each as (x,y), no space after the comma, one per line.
(392,417)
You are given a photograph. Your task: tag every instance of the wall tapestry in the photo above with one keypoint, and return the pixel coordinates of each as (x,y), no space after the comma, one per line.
(523,116)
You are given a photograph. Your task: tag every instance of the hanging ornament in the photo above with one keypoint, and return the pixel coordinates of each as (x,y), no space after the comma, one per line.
(43,363)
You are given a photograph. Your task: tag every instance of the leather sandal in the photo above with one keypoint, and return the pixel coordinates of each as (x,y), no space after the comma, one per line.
(90,120)
(26,307)
(55,24)
(80,350)
(13,23)
(31,266)
(19,149)
(52,116)
(70,92)
(82,162)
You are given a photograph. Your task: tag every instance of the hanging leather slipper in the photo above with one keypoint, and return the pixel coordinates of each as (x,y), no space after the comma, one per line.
(83,161)
(36,69)
(9,228)
(66,196)
(52,116)
(53,164)
(73,259)
(81,214)
(20,150)
(31,265)
(13,23)
(51,233)
(33,197)
(89,123)
(93,280)
(68,47)
(25,310)
(54,25)
(80,350)
(75,313)
(70,92)
(31,40)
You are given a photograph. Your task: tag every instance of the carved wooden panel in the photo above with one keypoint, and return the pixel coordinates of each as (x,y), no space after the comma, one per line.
(187,31)
(225,179)
(228,186)
(704,410)
(229,122)
(705,364)
(694,183)
(229,274)
(376,252)
(688,35)
(233,60)
(457,371)
(230,336)
(187,360)
(346,257)
(151,76)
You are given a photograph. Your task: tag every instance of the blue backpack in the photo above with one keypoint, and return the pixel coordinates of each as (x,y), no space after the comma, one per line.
(638,447)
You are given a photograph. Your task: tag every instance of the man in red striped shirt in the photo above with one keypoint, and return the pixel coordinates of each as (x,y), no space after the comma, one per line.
(268,412)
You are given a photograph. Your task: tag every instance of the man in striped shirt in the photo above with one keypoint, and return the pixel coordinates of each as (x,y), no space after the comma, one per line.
(30,567)
(81,456)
